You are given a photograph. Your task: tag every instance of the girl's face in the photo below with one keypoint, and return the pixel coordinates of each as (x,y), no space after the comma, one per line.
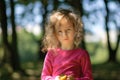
(65,33)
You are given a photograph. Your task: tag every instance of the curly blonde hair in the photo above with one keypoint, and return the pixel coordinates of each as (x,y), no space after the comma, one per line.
(50,40)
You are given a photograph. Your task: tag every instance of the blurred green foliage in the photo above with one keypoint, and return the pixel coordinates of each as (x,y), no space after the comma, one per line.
(28,46)
(98,52)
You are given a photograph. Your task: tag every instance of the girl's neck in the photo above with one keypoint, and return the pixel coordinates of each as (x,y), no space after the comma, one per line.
(67,47)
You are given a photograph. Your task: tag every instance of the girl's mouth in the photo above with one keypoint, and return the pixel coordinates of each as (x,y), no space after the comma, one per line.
(65,39)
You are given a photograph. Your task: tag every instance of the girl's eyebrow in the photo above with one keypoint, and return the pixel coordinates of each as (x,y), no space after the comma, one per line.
(70,26)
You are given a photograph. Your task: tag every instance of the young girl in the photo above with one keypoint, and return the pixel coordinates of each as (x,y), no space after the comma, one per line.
(64,59)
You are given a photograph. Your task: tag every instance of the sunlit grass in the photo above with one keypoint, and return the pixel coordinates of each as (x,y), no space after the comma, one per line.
(1,53)
(101,56)
(98,52)
(118,54)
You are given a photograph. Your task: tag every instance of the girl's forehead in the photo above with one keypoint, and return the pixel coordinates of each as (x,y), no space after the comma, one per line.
(65,22)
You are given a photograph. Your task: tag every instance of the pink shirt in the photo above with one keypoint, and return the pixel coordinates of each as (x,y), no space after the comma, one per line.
(74,62)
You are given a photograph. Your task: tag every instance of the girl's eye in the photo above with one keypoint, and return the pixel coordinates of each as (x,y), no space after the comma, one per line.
(59,32)
(68,30)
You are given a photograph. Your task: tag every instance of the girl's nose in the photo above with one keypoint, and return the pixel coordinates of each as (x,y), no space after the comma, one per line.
(65,35)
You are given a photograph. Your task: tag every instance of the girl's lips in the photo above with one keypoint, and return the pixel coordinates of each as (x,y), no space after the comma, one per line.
(65,39)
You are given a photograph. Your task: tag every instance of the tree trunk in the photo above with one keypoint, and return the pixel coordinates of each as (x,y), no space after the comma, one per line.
(56,4)
(112,55)
(15,62)
(44,6)
(81,10)
(3,21)
(112,51)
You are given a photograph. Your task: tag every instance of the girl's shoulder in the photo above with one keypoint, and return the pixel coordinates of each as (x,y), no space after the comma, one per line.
(52,52)
(82,51)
